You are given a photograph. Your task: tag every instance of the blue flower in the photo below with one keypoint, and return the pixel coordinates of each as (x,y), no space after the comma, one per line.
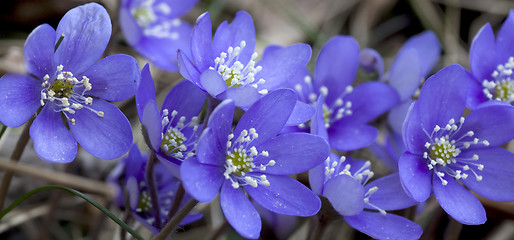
(129,174)
(154,29)
(388,149)
(225,66)
(67,80)
(254,160)
(342,111)
(412,64)
(492,62)
(444,148)
(173,131)
(344,182)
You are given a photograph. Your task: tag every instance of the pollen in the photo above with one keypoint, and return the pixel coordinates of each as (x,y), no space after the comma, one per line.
(501,87)
(238,74)
(66,92)
(240,168)
(174,141)
(444,152)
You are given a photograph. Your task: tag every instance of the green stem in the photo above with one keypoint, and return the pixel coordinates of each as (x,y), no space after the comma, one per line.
(15,157)
(78,194)
(166,230)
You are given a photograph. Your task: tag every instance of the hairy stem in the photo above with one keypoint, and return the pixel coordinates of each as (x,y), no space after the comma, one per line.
(152,189)
(166,230)
(179,195)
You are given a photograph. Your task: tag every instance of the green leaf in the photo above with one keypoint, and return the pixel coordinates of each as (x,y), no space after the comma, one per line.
(2,131)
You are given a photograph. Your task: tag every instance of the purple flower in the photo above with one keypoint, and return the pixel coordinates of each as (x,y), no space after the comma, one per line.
(388,149)
(370,61)
(412,64)
(172,131)
(344,182)
(343,112)
(66,79)
(129,173)
(492,62)
(444,148)
(226,66)
(154,29)
(254,160)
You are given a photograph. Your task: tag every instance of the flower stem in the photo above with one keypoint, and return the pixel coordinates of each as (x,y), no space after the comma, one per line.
(453,230)
(410,213)
(179,195)
(166,230)
(315,230)
(151,188)
(212,103)
(127,214)
(15,157)
(218,231)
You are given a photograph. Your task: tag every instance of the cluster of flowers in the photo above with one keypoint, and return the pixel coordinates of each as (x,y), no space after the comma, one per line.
(293,121)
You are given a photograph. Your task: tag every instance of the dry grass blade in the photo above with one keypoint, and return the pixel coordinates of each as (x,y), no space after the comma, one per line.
(64,179)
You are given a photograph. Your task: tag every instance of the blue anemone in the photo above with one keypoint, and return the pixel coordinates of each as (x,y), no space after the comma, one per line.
(445,148)
(66,79)
(254,160)
(173,131)
(226,66)
(129,174)
(344,182)
(343,111)
(155,30)
(492,63)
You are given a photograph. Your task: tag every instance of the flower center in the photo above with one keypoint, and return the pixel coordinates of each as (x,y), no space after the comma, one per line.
(502,87)
(174,142)
(444,149)
(239,163)
(234,72)
(61,88)
(335,167)
(154,19)
(67,93)
(144,15)
(331,113)
(145,203)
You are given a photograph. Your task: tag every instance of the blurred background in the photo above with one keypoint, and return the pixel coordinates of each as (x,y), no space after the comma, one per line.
(383,25)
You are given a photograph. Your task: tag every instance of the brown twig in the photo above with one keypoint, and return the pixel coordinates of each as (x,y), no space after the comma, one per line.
(15,157)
